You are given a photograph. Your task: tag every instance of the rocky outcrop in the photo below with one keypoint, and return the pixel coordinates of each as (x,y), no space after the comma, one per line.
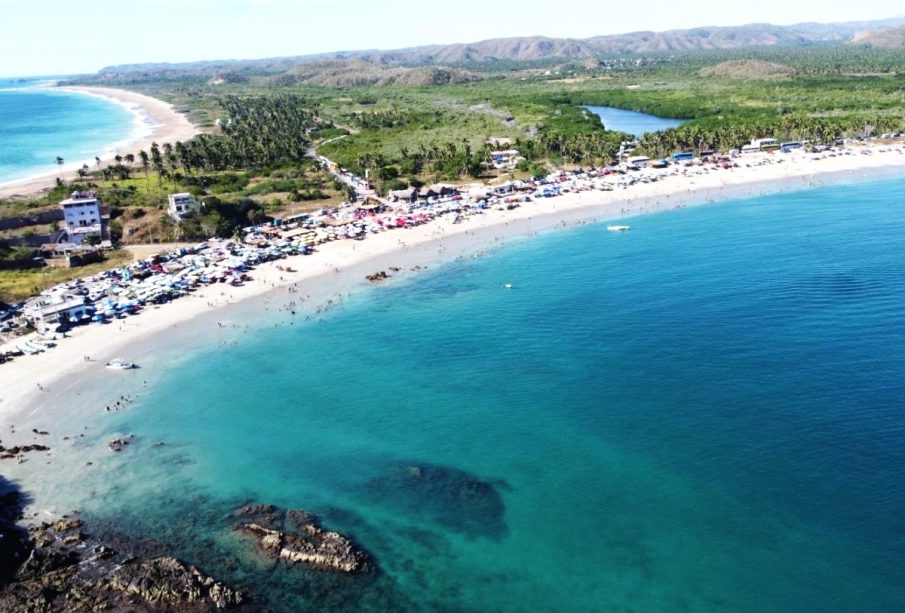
(168,582)
(377,277)
(65,573)
(307,543)
(13,452)
(118,444)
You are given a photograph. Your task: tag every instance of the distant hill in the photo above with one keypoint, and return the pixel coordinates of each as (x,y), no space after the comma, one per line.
(747,70)
(513,49)
(396,66)
(342,73)
(892,38)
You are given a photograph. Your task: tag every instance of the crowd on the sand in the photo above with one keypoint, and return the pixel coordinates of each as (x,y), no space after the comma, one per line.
(113,295)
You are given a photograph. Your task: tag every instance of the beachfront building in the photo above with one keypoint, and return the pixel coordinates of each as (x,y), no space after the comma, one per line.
(438,190)
(427,192)
(83,218)
(182,206)
(66,309)
(409,194)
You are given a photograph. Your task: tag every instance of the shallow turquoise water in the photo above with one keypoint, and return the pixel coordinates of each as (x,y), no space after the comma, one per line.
(37,124)
(704,413)
(632,122)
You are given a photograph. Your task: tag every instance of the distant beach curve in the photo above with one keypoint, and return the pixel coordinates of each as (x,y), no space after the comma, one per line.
(164,124)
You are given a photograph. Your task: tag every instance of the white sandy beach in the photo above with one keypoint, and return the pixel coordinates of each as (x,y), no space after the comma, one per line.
(163,122)
(34,382)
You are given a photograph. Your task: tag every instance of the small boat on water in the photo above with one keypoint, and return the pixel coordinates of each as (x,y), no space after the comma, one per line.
(618,228)
(120,364)
(507,285)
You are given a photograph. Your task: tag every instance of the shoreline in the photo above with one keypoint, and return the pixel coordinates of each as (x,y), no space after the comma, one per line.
(153,121)
(37,383)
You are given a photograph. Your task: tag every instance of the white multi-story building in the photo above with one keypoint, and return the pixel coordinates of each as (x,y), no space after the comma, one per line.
(82,215)
(182,206)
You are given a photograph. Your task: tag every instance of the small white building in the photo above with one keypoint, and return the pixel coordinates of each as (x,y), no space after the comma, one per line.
(182,206)
(507,159)
(66,309)
(626,147)
(82,216)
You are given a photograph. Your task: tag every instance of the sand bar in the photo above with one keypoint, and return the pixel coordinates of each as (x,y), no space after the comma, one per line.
(160,120)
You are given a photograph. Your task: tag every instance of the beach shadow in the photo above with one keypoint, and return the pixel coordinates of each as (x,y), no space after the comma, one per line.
(14,540)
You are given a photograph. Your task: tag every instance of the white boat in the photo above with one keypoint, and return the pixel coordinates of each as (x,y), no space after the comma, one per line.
(507,285)
(618,228)
(120,364)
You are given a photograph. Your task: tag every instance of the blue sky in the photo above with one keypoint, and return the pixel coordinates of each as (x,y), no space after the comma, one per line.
(44,37)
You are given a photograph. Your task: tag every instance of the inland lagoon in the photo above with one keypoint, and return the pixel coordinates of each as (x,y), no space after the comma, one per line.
(632,122)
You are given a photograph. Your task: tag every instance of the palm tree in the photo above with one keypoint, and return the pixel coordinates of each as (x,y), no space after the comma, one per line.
(157,161)
(59,162)
(145,164)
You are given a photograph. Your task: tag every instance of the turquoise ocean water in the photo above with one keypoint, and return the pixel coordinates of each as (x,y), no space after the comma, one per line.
(704,413)
(621,120)
(37,124)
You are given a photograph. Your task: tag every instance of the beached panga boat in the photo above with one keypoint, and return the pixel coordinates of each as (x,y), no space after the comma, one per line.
(120,364)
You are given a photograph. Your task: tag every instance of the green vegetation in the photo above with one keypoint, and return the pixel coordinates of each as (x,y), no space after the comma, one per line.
(264,118)
(16,285)
(260,150)
(405,120)
(405,134)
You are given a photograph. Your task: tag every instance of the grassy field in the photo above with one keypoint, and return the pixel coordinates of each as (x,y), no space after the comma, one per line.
(16,285)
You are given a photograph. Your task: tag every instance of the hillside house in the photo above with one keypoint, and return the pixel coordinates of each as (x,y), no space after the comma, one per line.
(83,218)
(182,206)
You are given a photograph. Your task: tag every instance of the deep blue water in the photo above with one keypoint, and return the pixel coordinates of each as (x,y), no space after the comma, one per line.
(704,413)
(37,124)
(633,122)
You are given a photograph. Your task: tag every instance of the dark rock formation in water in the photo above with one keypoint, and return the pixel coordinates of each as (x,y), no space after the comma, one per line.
(377,277)
(306,543)
(452,498)
(14,452)
(64,572)
(118,444)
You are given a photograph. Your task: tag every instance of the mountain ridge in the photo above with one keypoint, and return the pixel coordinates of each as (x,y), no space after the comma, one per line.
(531,48)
